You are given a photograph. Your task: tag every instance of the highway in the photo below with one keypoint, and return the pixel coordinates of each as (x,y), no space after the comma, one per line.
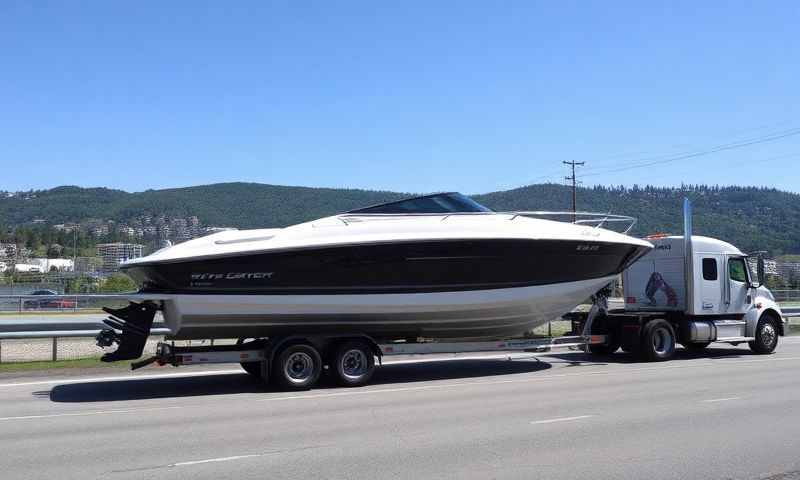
(728,415)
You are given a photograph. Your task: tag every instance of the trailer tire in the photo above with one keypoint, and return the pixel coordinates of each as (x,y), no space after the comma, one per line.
(696,347)
(766,335)
(658,341)
(297,366)
(354,363)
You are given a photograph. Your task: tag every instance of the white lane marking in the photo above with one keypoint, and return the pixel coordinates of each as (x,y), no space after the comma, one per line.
(514,356)
(213,460)
(560,419)
(83,414)
(623,371)
(397,389)
(543,378)
(127,377)
(715,400)
(509,356)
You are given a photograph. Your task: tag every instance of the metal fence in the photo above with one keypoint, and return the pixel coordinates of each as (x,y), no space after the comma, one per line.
(57,303)
(786,296)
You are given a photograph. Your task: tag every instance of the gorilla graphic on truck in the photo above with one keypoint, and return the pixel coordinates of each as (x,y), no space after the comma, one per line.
(656,283)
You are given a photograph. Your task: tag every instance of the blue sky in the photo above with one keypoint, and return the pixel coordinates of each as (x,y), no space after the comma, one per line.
(410,96)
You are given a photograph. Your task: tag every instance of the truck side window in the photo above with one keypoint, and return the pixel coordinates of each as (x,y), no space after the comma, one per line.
(710,269)
(736,270)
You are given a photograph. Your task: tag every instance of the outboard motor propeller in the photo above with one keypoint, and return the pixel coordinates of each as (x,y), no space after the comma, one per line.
(134,321)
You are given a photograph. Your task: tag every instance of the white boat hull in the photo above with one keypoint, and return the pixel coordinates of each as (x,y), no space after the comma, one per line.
(465,314)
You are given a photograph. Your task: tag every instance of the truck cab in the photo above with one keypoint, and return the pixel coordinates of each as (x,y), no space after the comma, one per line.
(689,290)
(714,295)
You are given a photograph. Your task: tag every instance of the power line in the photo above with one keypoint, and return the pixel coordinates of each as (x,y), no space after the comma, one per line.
(572,177)
(719,148)
(668,158)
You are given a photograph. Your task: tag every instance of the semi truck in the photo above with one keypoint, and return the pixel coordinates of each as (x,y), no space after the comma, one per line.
(694,291)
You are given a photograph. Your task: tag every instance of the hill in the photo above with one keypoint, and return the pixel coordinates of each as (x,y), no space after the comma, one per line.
(752,218)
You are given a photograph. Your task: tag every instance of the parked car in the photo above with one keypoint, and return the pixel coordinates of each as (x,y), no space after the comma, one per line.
(49,302)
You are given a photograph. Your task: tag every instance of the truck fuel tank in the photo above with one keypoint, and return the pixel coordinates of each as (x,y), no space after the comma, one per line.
(702,331)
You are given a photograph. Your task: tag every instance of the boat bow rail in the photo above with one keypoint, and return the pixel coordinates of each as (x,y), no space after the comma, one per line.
(597,220)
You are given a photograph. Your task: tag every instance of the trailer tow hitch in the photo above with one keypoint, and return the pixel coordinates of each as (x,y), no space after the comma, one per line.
(134,322)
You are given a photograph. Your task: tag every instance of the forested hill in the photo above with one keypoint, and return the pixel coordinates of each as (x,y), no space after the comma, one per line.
(751,218)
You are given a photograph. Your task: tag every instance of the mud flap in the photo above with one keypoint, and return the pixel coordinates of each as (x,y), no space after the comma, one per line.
(134,321)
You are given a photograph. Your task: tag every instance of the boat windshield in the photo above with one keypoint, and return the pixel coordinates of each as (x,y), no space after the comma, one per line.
(451,202)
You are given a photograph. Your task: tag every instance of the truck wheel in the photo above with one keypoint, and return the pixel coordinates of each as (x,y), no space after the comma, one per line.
(658,341)
(354,363)
(298,366)
(253,368)
(696,347)
(766,336)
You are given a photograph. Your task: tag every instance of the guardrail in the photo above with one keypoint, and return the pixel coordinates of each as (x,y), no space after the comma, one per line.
(55,335)
(786,295)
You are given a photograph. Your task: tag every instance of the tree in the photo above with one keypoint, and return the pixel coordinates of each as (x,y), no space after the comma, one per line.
(118,283)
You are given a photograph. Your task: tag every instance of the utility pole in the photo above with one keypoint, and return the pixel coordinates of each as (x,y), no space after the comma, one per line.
(574,179)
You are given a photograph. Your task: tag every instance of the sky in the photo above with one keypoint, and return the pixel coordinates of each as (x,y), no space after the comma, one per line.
(408,96)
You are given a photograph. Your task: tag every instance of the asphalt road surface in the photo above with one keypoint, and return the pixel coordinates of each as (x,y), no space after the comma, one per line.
(728,415)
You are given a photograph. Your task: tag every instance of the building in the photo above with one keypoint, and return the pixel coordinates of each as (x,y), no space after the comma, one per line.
(54,264)
(88,264)
(27,268)
(8,250)
(112,254)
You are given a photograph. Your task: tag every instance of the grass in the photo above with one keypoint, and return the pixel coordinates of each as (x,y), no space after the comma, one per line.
(47,365)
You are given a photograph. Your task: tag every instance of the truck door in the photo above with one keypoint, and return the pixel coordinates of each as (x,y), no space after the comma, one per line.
(737,291)
(709,283)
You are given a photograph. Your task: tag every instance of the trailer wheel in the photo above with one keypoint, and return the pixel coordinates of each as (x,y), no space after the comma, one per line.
(354,363)
(696,347)
(766,336)
(298,366)
(658,341)
(253,368)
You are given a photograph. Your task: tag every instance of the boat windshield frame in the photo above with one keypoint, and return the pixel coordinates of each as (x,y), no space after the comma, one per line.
(589,219)
(445,203)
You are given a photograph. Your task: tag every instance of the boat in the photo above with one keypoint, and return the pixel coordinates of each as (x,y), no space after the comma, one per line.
(438,266)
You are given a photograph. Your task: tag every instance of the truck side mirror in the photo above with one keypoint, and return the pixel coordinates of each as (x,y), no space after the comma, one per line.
(759,273)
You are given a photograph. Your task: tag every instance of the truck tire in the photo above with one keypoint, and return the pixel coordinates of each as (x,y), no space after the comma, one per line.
(353,363)
(766,335)
(658,341)
(696,347)
(297,367)
(252,368)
